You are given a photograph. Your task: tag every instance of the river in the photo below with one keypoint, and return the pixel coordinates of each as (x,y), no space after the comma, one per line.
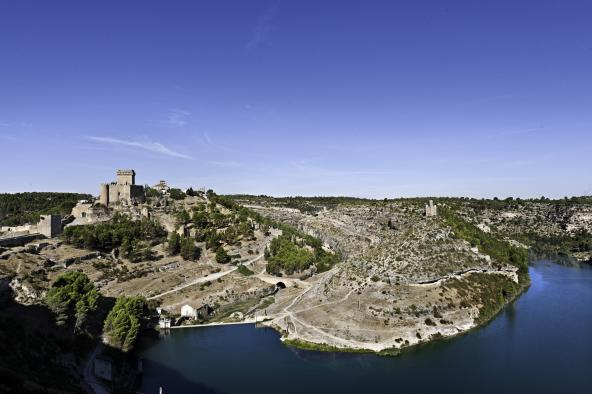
(542,343)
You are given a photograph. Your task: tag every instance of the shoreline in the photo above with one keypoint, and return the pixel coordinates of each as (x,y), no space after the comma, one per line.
(393,351)
(323,347)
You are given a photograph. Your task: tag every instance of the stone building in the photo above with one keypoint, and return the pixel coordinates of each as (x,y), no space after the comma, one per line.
(123,191)
(431,210)
(162,187)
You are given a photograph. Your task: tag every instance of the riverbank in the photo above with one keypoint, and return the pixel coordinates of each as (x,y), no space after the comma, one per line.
(556,302)
(484,320)
(393,318)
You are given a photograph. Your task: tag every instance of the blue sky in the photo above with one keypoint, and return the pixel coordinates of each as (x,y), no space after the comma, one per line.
(361,98)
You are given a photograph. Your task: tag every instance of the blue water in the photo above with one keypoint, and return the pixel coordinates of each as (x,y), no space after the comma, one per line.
(541,344)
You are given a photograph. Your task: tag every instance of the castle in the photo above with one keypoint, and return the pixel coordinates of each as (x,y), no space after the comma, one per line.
(124,191)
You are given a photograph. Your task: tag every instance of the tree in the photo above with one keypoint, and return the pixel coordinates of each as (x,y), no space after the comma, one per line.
(150,192)
(122,324)
(212,240)
(183,217)
(200,219)
(221,256)
(188,249)
(72,296)
(176,194)
(174,244)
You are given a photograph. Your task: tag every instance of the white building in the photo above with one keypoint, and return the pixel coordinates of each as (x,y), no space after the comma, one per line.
(196,313)
(162,187)
(188,311)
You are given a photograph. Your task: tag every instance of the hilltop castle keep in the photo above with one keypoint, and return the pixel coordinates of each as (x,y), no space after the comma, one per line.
(124,191)
(431,210)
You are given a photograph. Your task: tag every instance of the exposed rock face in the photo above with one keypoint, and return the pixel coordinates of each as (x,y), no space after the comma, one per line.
(24,292)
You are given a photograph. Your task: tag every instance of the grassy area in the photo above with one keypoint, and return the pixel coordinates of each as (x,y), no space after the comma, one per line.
(321,347)
(226,310)
(267,301)
(244,270)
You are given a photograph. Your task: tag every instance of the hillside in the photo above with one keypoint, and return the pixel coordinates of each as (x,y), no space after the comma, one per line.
(407,278)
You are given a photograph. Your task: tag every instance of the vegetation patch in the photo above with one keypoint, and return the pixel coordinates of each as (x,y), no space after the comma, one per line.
(488,292)
(132,237)
(322,347)
(244,270)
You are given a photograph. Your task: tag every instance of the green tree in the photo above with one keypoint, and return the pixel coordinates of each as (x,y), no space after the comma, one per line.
(150,192)
(188,249)
(174,244)
(123,322)
(176,194)
(183,217)
(221,256)
(201,219)
(72,297)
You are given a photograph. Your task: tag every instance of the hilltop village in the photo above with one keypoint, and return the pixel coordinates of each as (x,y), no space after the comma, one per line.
(327,273)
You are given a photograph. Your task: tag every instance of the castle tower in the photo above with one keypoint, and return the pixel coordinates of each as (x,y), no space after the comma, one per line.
(104,196)
(126,177)
(431,210)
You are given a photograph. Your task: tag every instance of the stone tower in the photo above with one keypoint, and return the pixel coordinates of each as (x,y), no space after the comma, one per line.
(123,191)
(126,177)
(104,196)
(431,210)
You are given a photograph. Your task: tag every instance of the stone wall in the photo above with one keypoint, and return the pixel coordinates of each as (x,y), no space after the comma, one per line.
(50,225)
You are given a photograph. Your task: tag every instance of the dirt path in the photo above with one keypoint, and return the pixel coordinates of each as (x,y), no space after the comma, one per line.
(204,279)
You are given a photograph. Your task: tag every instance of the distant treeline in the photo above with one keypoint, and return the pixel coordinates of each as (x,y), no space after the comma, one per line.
(313,205)
(21,208)
(510,202)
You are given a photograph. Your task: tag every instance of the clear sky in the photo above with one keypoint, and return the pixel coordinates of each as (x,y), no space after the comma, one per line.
(360,98)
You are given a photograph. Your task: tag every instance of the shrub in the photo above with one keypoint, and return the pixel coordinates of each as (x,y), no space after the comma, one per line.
(244,270)
(221,256)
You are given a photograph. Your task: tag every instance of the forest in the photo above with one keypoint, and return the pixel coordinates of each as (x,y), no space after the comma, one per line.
(21,208)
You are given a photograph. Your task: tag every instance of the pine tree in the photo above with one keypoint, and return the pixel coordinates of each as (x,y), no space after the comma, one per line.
(174,244)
